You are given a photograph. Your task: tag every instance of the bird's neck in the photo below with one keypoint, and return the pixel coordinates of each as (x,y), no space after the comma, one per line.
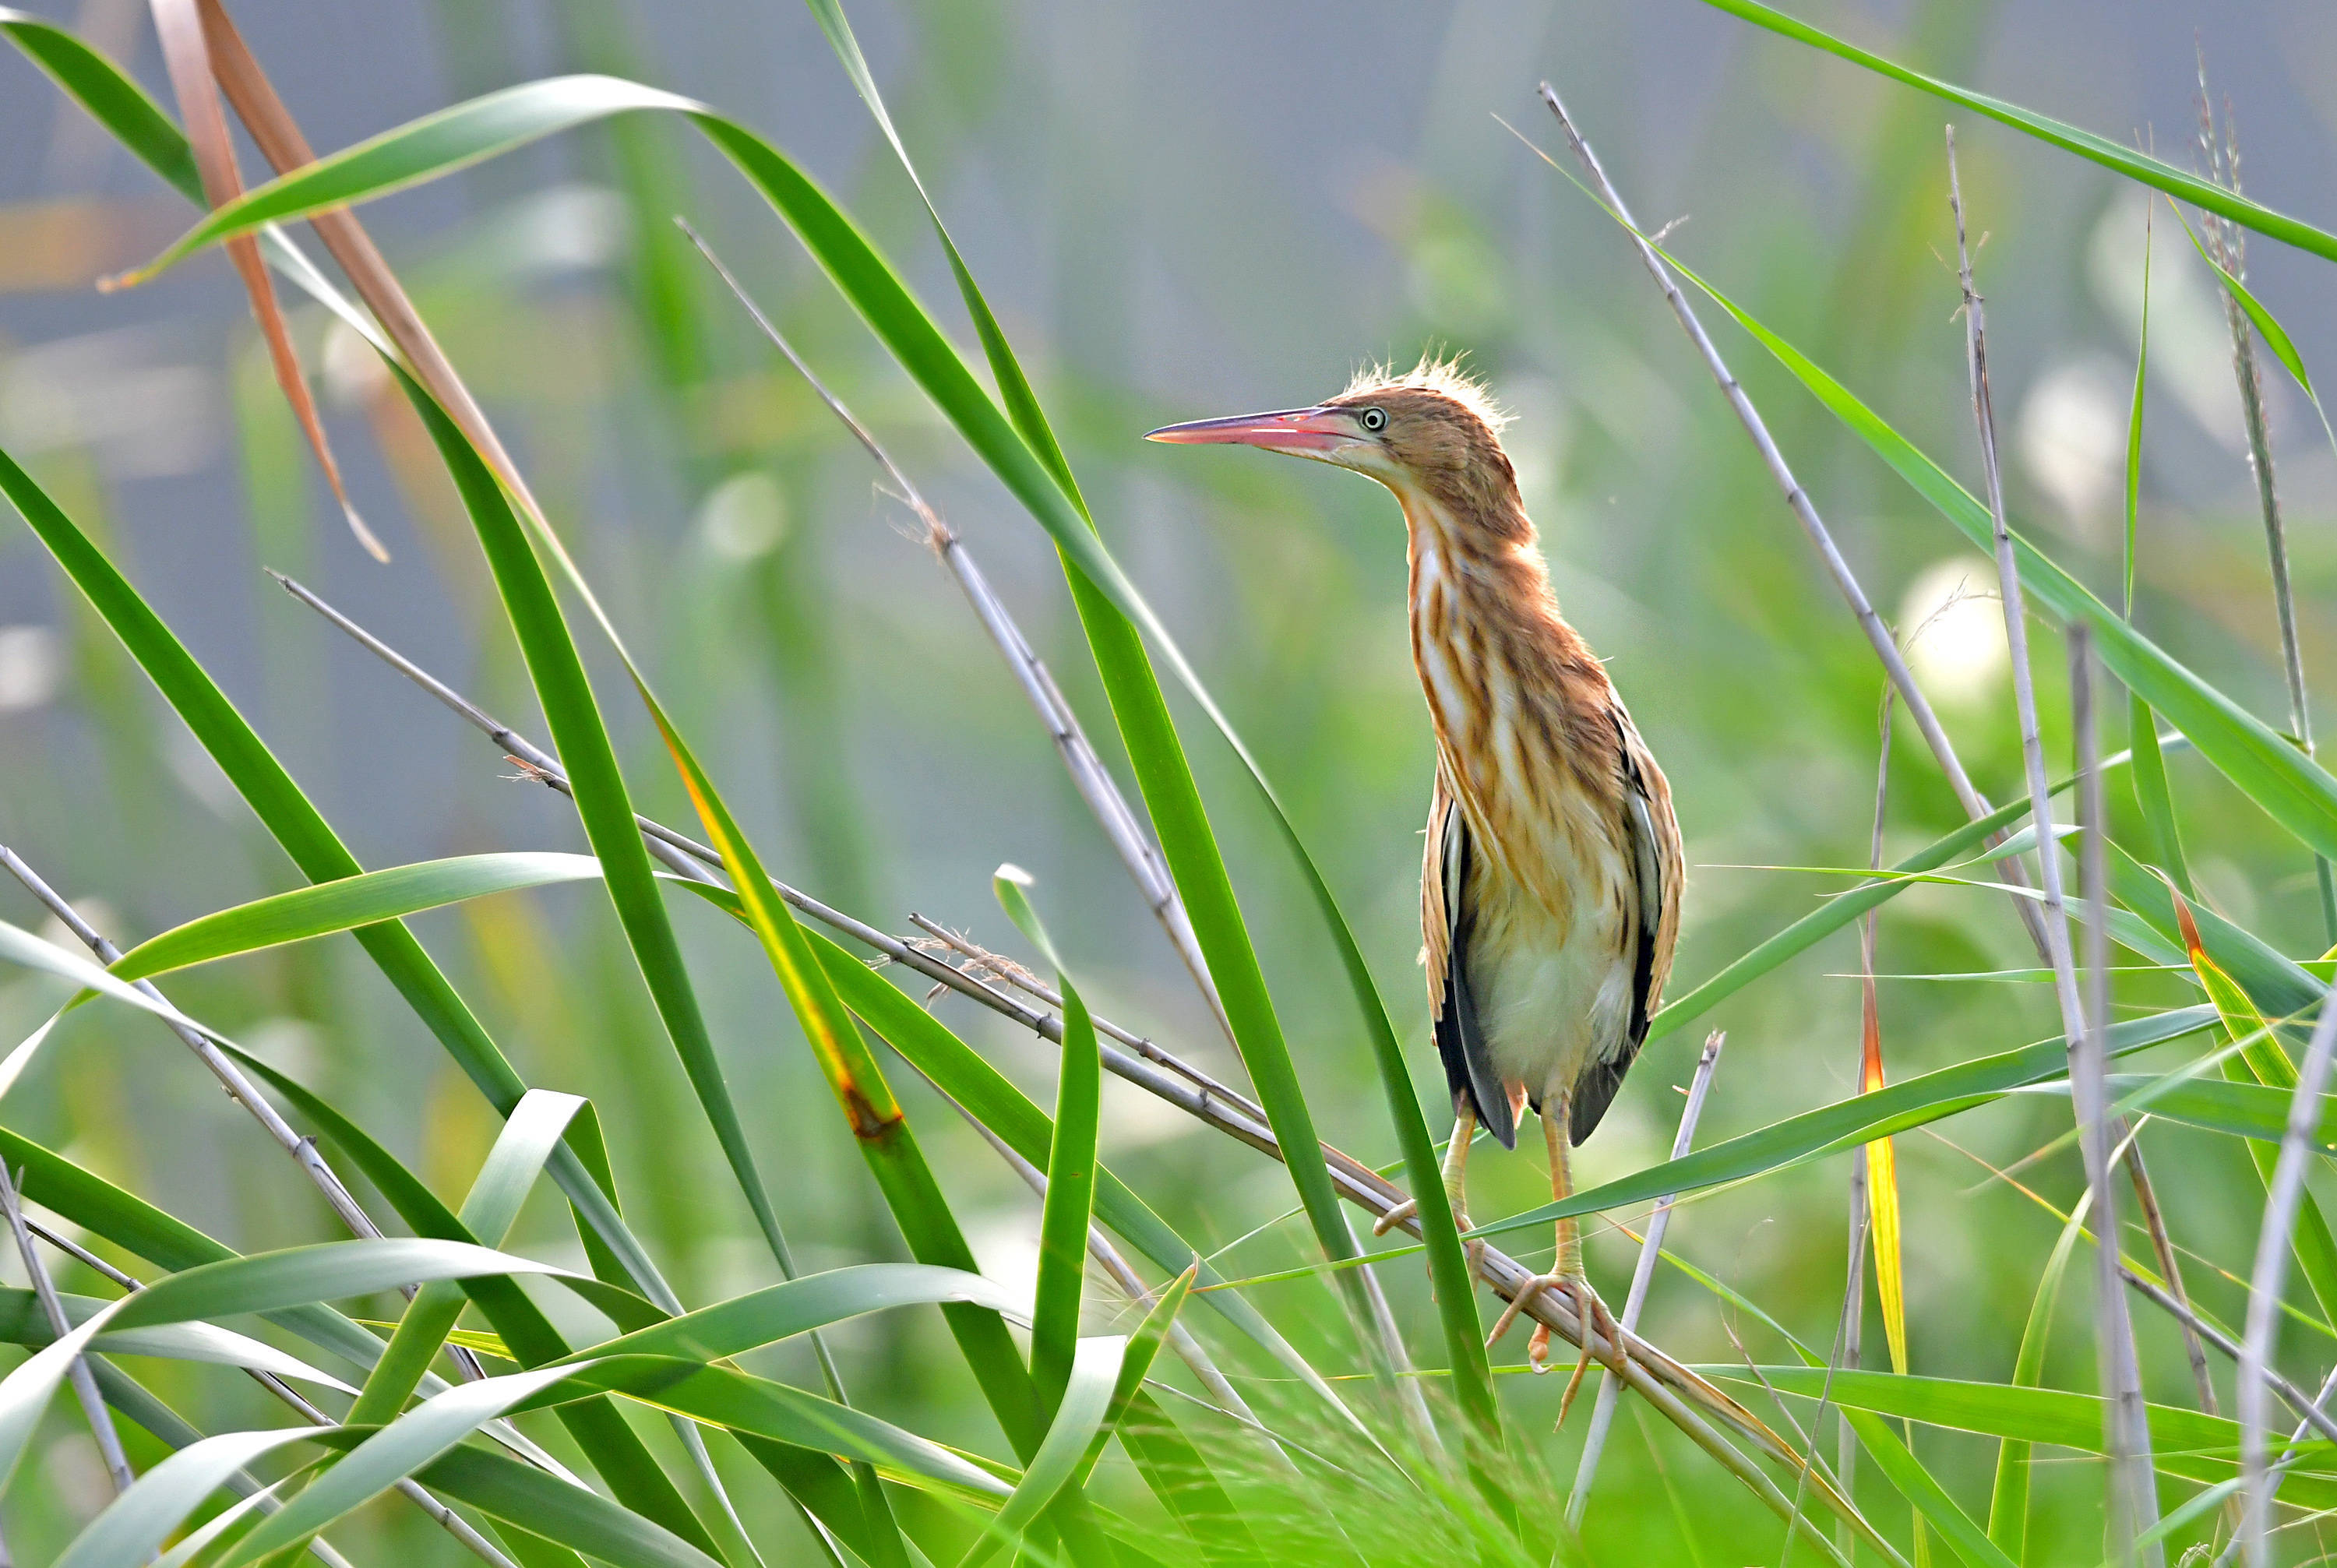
(1513,691)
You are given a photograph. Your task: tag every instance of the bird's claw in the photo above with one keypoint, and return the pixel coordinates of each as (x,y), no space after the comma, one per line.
(1590,1315)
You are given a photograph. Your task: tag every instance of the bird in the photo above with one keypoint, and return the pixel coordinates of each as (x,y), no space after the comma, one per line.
(1551,880)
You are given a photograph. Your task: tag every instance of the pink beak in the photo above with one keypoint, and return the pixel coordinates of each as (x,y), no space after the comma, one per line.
(1301,430)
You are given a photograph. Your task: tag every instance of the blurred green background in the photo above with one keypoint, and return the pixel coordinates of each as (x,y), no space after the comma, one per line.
(1179,211)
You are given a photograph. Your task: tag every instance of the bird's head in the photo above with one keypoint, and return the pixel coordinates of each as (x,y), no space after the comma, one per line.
(1429,433)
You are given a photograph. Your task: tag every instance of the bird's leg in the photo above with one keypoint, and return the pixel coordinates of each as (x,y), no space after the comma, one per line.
(1566,1276)
(1456,1186)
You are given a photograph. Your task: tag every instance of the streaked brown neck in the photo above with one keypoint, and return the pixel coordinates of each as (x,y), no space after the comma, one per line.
(1516,694)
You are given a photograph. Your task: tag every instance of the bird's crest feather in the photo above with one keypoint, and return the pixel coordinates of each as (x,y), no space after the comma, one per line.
(1439,373)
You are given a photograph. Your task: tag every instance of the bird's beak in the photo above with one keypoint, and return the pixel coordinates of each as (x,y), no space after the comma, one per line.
(1304,432)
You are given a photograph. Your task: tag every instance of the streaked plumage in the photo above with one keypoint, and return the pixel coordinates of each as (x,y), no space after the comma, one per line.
(1550,882)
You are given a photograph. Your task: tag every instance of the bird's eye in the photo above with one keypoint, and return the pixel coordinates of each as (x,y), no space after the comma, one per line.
(1374,420)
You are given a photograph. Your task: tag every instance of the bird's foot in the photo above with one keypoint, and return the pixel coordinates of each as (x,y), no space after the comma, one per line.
(1409,1209)
(1591,1316)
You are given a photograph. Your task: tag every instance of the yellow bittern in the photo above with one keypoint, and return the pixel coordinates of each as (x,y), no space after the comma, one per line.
(1550,893)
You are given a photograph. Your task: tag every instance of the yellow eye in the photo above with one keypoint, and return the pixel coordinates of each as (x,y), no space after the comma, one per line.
(1375,420)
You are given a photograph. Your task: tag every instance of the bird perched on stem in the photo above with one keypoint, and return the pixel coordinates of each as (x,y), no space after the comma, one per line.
(1550,891)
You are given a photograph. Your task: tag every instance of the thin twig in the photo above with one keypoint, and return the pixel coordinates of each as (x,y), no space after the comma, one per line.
(303,1150)
(1676,1392)
(84,1386)
(2227,242)
(1602,1408)
(2282,1201)
(2134,1500)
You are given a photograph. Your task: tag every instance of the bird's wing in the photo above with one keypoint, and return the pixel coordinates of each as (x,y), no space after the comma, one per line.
(1659,868)
(1445,923)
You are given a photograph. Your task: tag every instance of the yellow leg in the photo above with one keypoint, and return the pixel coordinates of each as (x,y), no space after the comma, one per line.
(1456,1185)
(1566,1277)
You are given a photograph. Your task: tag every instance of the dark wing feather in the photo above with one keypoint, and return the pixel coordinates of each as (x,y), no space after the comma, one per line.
(1460,1039)
(1657,865)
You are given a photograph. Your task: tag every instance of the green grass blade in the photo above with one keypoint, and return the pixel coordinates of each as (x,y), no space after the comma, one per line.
(322,908)
(306,838)
(1923,1489)
(603,801)
(611,1446)
(2277,987)
(2008,1510)
(723,1396)
(2100,149)
(1834,914)
(112,98)
(503,1488)
(929,1045)
(801,1305)
(135,1525)
(1070,1163)
(1859,1119)
(528,1137)
(1087,1397)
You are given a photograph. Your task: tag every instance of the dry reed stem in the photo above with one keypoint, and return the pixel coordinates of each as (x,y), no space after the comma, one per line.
(85,1385)
(1603,1405)
(1668,1384)
(2134,1498)
(2270,1278)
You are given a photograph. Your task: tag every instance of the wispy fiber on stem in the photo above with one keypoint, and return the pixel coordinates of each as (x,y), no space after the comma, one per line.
(2227,243)
(2134,1500)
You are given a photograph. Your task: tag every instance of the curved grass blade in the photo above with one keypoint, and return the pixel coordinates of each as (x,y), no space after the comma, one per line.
(134,1525)
(723,1396)
(801,1305)
(528,1137)
(1859,1119)
(2007,1509)
(505,1489)
(1087,1397)
(1070,1163)
(1924,1492)
(23,1322)
(963,1074)
(615,1450)
(322,908)
(2100,149)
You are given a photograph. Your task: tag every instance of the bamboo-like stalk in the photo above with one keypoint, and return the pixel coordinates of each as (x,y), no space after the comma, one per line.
(2133,1501)
(1643,1273)
(1673,1388)
(2270,1277)
(85,1385)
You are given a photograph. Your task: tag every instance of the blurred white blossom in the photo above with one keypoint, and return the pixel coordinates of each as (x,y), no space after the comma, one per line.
(28,667)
